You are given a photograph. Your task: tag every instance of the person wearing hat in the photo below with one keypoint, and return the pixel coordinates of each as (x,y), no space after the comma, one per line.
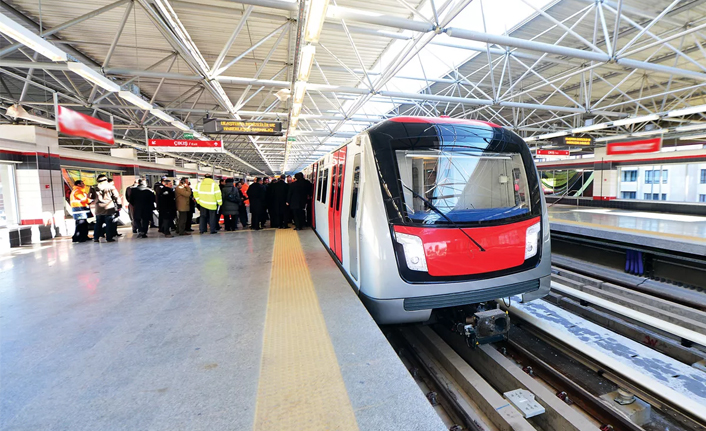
(107,199)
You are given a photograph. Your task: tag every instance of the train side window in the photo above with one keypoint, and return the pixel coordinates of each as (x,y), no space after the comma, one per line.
(339,184)
(319,184)
(324,187)
(356,183)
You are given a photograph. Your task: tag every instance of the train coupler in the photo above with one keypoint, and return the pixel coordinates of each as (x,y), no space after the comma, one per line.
(484,327)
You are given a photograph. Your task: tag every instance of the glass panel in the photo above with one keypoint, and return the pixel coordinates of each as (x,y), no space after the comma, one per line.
(324,187)
(463,184)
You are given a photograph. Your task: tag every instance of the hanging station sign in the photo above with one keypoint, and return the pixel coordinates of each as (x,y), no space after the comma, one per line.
(573,141)
(553,152)
(75,123)
(185,146)
(235,127)
(635,147)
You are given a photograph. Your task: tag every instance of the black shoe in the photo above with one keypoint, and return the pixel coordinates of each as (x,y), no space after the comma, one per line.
(189,230)
(144,235)
(118,234)
(213,233)
(110,240)
(96,240)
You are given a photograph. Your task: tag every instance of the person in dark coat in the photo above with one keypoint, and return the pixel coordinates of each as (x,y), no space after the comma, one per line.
(271,201)
(231,205)
(166,205)
(142,199)
(192,210)
(297,197)
(256,194)
(280,202)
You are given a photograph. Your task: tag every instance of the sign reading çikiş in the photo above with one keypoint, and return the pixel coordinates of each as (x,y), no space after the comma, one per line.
(185,146)
(235,127)
(553,152)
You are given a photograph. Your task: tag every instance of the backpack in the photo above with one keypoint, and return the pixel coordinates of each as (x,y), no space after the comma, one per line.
(233,196)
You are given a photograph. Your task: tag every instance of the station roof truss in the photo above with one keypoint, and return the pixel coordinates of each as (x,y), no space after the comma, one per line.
(534,66)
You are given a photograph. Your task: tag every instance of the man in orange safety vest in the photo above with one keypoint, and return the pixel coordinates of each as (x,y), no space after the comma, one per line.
(80,208)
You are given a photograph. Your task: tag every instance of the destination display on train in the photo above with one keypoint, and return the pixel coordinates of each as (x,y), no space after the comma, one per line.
(573,140)
(185,146)
(235,127)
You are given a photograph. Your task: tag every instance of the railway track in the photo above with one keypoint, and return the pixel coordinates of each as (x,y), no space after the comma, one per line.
(574,382)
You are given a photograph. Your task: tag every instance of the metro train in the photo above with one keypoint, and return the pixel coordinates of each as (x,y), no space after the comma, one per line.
(433,213)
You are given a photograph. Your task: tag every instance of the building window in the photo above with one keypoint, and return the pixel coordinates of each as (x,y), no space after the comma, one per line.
(629,195)
(653,177)
(703,176)
(655,196)
(629,176)
(702,198)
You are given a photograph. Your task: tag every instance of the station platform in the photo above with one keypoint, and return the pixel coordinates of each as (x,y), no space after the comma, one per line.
(673,232)
(241,330)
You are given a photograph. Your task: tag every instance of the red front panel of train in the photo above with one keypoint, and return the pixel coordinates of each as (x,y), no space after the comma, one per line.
(450,253)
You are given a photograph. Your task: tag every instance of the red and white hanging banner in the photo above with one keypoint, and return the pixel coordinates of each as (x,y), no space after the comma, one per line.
(185,146)
(78,124)
(634,147)
(553,152)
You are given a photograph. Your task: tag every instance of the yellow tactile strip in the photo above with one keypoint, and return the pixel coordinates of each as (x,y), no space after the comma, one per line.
(300,387)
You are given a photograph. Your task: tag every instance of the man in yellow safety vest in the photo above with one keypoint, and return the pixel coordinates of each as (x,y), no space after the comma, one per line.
(208,197)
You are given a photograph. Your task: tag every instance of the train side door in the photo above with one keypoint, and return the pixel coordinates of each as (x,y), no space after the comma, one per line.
(339,166)
(332,203)
(312,202)
(353,223)
(339,198)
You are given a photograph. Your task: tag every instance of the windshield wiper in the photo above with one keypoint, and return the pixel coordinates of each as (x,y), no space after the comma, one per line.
(441,213)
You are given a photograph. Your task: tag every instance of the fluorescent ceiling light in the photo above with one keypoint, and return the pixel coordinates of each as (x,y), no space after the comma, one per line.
(531,139)
(161,115)
(92,76)
(306,61)
(552,135)
(686,111)
(299,91)
(296,109)
(650,132)
(611,138)
(590,128)
(691,127)
(135,100)
(179,125)
(315,20)
(692,138)
(633,120)
(24,36)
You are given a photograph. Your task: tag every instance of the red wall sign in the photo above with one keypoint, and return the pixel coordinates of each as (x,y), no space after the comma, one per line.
(552,152)
(634,147)
(186,145)
(78,124)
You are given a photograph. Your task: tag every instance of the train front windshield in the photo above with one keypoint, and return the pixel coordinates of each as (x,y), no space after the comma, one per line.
(462,183)
(440,174)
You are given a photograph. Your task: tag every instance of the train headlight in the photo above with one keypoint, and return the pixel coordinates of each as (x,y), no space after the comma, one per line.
(532,241)
(413,251)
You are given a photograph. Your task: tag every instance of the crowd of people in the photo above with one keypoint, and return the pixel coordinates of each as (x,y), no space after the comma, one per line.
(281,201)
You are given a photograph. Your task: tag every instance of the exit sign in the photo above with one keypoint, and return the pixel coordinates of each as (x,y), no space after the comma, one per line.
(188,136)
(552,152)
